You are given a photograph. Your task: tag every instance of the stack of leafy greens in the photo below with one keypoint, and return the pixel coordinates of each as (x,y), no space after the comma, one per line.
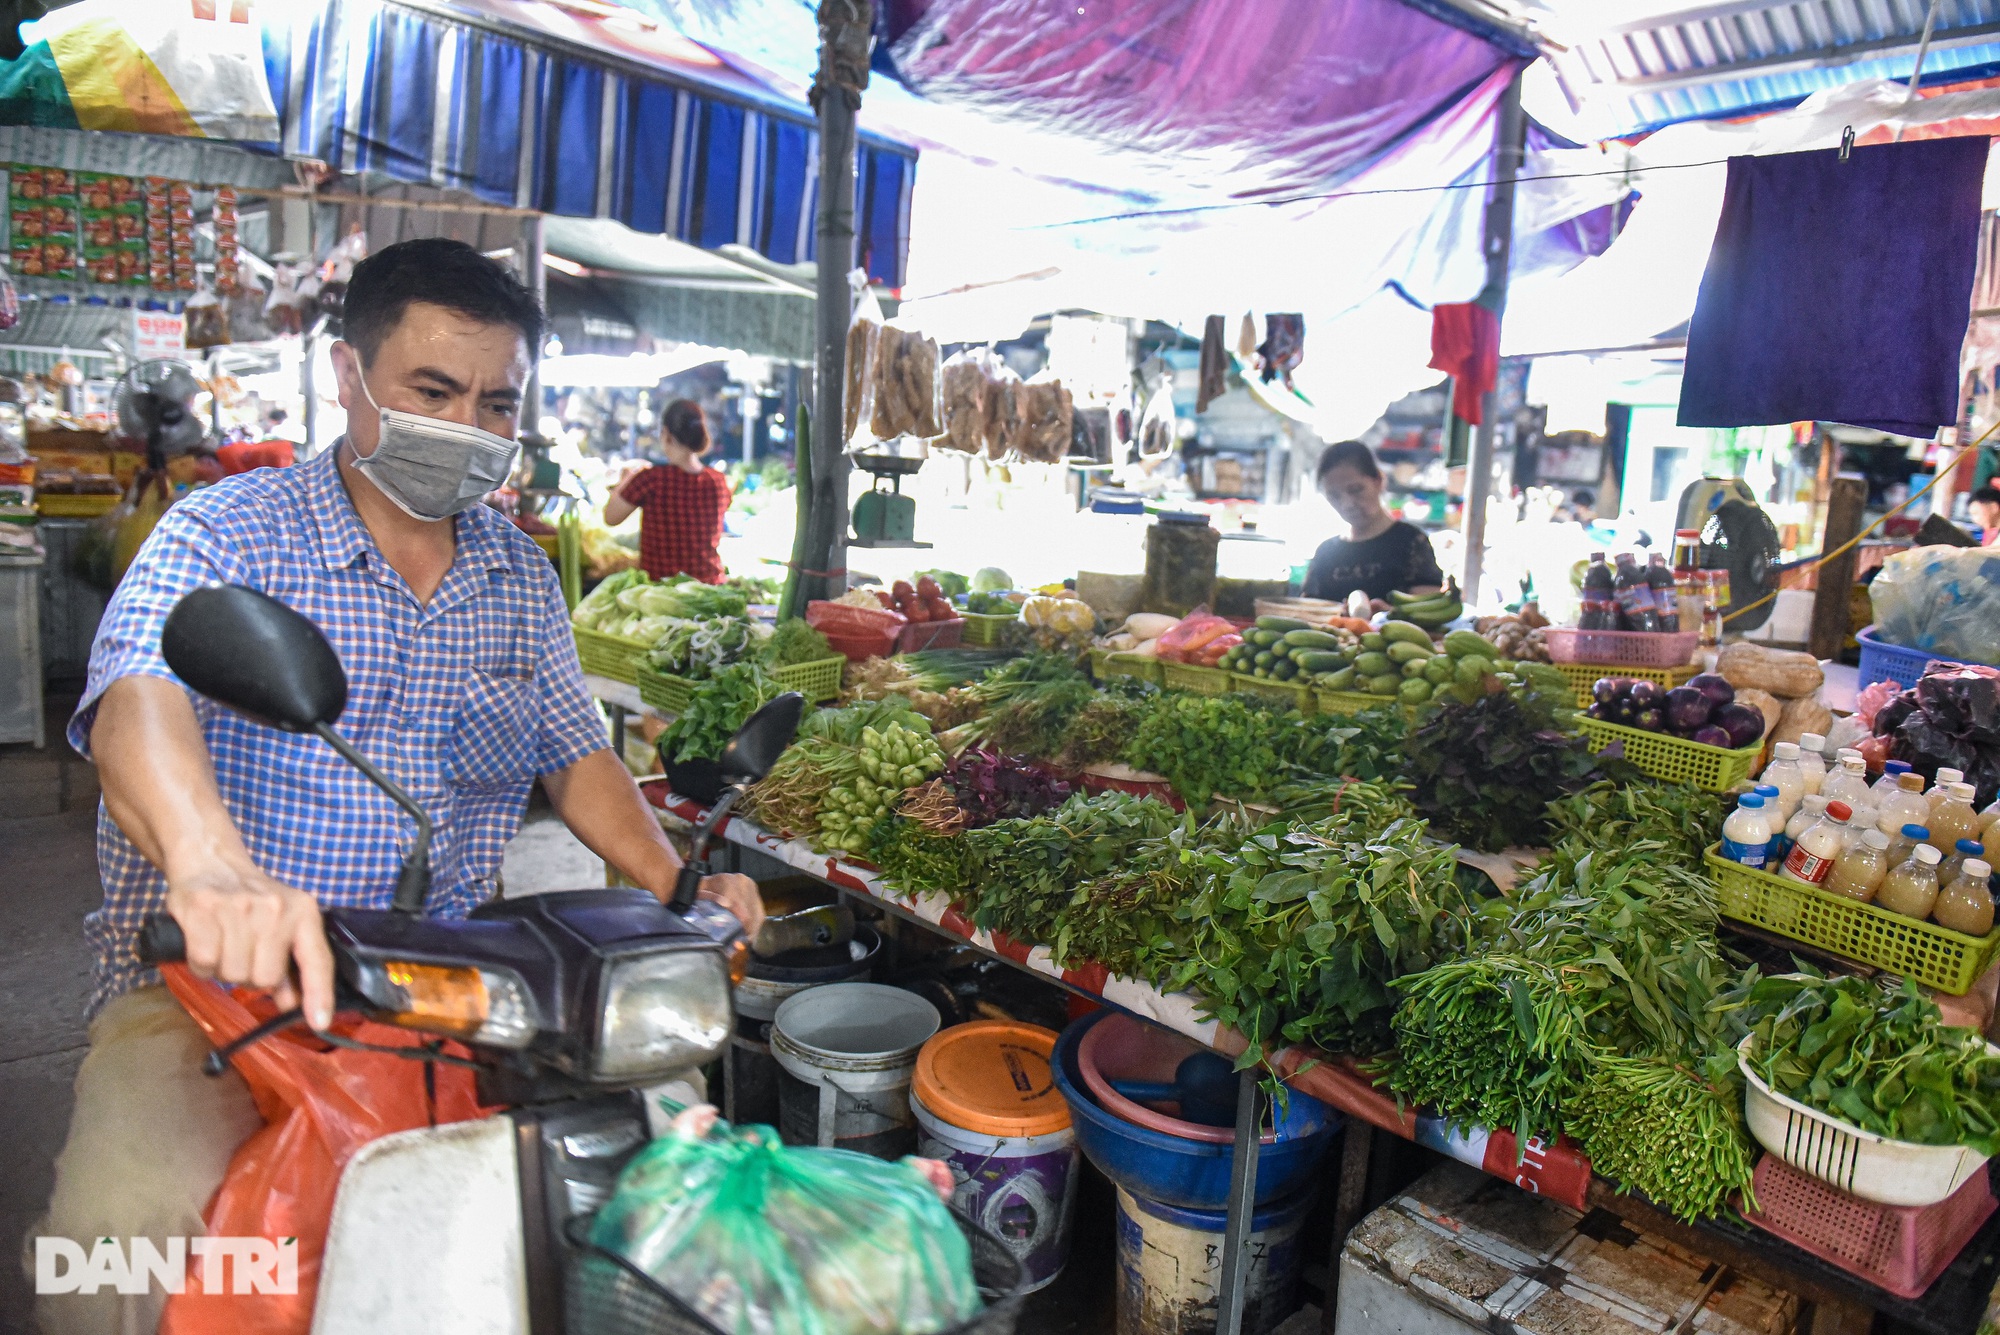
(716,711)
(1209,745)
(1484,773)
(1027,871)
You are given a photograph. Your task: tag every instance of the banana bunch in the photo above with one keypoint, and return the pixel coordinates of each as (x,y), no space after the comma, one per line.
(1429,610)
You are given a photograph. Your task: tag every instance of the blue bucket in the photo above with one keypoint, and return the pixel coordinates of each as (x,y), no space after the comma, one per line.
(1189,1174)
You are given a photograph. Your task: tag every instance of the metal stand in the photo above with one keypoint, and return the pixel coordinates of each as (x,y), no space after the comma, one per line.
(1242,1205)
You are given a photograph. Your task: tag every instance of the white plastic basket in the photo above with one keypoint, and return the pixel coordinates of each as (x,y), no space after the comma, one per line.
(1875,1168)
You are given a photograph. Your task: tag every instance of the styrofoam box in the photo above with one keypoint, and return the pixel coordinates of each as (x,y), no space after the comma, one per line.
(1463,1253)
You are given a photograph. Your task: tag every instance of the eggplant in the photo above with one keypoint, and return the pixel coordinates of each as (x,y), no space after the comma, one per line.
(1711,735)
(1687,709)
(1715,687)
(1646,694)
(1743,724)
(1596,711)
(1649,718)
(1605,690)
(1619,711)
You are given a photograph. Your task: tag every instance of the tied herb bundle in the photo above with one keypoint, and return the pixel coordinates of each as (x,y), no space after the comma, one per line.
(1370,806)
(1297,933)
(916,860)
(1620,815)
(992,787)
(1026,872)
(716,711)
(1208,745)
(1485,772)
(1590,1005)
(1883,1061)
(826,752)
(1367,746)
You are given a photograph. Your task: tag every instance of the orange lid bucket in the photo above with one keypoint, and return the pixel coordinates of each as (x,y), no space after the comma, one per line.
(992,1077)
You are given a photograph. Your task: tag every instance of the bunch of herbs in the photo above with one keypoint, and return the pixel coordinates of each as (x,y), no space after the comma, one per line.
(1484,773)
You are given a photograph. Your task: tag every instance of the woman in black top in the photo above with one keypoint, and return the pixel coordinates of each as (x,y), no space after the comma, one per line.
(1379,554)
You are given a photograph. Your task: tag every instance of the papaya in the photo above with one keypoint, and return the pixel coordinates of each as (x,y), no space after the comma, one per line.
(1414,669)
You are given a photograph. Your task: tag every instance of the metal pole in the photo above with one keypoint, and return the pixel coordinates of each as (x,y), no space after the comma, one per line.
(1230,1293)
(846,31)
(1509,149)
(536,275)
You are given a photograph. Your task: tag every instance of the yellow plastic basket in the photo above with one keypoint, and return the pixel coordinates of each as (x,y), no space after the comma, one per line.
(988,630)
(817,681)
(1675,759)
(1352,702)
(1104,663)
(1300,697)
(1932,955)
(1203,681)
(63,505)
(1583,676)
(609,656)
(663,690)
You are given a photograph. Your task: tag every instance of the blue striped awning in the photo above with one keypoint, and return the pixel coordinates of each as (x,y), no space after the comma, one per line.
(540,108)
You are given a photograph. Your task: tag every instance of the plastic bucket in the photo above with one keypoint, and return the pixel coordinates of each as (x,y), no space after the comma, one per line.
(750,1079)
(845,1055)
(988,1106)
(1170,1266)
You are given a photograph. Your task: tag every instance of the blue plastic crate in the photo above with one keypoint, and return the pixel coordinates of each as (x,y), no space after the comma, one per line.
(1891,662)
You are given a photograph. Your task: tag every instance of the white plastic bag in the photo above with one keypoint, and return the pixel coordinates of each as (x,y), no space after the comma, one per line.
(1944,600)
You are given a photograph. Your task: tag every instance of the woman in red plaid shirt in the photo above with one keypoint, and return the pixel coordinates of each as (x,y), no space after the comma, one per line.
(680,503)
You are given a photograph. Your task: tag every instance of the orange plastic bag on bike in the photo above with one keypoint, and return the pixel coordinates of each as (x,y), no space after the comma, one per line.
(320,1103)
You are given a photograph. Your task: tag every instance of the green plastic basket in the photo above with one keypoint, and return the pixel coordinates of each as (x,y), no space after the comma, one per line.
(1932,955)
(1352,702)
(663,690)
(1203,681)
(1675,759)
(818,680)
(988,630)
(609,656)
(1583,676)
(1104,663)
(1299,696)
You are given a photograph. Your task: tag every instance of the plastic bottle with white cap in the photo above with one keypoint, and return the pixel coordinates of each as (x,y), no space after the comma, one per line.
(1912,888)
(1784,774)
(1939,794)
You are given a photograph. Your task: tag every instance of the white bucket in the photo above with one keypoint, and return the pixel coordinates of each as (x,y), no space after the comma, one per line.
(1021,1189)
(846,1052)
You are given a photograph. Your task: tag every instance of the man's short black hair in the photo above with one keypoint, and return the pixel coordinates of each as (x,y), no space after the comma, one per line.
(1988,495)
(438,272)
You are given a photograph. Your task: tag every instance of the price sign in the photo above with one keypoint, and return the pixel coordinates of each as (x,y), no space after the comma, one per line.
(158,334)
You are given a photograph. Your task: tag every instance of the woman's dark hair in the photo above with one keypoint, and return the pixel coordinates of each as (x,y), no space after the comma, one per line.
(1351,453)
(1985,496)
(439,272)
(684,422)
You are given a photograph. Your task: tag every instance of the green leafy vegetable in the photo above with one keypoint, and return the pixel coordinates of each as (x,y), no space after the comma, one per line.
(716,711)
(794,642)
(1484,773)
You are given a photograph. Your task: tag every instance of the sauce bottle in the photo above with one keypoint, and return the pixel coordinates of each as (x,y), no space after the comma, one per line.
(1911,888)
(1688,585)
(1904,805)
(1860,870)
(1953,819)
(1812,761)
(1906,842)
(1666,603)
(1600,599)
(1938,793)
(1636,609)
(1810,810)
(1784,773)
(1966,903)
(1746,835)
(1812,855)
(1715,585)
(1962,852)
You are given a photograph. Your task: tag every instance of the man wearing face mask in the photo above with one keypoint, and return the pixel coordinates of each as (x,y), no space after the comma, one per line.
(463,686)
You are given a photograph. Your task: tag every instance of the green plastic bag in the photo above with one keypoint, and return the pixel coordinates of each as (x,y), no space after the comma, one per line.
(765,1239)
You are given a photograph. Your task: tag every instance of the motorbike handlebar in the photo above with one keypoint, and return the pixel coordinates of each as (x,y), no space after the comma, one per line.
(160,940)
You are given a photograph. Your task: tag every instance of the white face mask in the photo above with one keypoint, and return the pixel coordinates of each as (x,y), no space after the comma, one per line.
(433,469)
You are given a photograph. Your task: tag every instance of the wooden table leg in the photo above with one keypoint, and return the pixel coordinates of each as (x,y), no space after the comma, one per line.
(1357,1146)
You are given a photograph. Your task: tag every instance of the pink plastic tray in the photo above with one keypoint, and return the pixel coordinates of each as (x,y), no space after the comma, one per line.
(1122,1048)
(1621,648)
(1900,1248)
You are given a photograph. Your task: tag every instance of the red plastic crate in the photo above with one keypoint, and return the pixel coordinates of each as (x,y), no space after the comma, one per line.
(1900,1248)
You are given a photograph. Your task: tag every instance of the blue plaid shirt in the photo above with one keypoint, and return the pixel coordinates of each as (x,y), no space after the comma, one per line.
(463,700)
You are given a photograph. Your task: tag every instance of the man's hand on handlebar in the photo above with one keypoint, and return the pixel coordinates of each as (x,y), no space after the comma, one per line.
(739,895)
(242,927)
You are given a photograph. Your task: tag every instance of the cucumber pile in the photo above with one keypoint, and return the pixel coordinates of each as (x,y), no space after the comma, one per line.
(1281,649)
(1399,662)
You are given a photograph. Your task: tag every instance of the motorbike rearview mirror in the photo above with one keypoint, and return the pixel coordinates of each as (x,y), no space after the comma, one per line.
(250,652)
(762,739)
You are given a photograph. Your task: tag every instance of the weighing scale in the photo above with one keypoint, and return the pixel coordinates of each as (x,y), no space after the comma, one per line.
(886,518)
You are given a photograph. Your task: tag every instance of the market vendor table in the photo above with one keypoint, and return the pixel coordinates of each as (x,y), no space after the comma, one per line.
(621,700)
(1843,1303)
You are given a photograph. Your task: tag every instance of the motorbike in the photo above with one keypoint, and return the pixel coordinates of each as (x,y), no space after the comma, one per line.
(573,1004)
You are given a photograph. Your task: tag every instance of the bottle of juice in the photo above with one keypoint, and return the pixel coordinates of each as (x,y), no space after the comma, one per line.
(1965,851)
(1812,760)
(1859,871)
(1938,793)
(1912,887)
(1965,904)
(1600,596)
(1987,820)
(1635,597)
(1849,783)
(1746,835)
(1905,843)
(1903,806)
(1714,586)
(1892,773)
(1810,810)
(1666,603)
(1953,819)
(1784,774)
(1812,856)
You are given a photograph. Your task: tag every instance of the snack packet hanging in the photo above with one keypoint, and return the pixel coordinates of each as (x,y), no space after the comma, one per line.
(864,338)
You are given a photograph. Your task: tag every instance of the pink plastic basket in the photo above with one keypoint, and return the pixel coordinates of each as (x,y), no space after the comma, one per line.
(1621,648)
(1901,1248)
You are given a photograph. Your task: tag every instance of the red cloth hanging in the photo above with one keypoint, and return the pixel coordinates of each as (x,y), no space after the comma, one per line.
(1465,345)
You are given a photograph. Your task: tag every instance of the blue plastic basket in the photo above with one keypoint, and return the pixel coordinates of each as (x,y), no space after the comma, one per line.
(1881,661)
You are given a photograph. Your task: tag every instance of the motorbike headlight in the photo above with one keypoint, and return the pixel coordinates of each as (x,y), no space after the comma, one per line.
(489,1006)
(663,1012)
